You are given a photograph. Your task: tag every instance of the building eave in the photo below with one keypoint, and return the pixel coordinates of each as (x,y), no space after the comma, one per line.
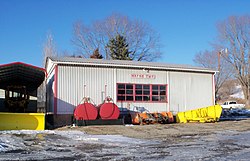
(147,65)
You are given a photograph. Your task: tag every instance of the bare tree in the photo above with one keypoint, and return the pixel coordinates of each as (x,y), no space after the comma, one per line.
(228,89)
(142,39)
(210,59)
(234,33)
(49,48)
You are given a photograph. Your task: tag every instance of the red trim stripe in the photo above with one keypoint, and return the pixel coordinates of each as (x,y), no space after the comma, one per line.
(55,89)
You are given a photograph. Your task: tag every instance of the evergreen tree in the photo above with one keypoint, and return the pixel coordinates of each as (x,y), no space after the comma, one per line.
(118,48)
(96,54)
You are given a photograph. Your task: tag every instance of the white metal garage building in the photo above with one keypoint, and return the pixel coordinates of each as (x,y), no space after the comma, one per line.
(154,86)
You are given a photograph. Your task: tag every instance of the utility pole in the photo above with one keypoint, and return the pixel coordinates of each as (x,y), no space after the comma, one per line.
(219,55)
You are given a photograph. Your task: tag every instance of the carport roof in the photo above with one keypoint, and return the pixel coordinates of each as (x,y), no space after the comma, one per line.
(22,74)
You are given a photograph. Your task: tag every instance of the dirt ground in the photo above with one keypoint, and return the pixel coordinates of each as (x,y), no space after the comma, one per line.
(170,132)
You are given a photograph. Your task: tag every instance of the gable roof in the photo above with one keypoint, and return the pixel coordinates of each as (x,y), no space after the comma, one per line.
(128,64)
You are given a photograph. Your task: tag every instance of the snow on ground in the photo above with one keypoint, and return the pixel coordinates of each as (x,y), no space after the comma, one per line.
(57,145)
(76,145)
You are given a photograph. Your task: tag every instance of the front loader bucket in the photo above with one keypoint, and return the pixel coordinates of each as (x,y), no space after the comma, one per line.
(22,121)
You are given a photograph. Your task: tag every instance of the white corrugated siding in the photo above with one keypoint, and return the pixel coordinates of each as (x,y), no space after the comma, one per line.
(190,90)
(186,90)
(124,76)
(76,82)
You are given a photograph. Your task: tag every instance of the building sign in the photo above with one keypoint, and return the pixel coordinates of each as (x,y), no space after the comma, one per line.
(143,76)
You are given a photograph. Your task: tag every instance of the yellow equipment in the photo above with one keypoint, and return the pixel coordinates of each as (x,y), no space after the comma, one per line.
(22,121)
(206,114)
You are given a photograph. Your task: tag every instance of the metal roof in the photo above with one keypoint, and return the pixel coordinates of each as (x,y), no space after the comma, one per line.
(18,73)
(129,64)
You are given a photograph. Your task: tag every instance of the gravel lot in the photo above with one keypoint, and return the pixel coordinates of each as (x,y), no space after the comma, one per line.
(226,140)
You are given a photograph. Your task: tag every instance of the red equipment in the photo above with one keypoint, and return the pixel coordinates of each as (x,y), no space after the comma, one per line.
(108,110)
(85,111)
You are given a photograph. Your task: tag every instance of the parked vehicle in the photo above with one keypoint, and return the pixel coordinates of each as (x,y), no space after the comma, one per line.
(231,105)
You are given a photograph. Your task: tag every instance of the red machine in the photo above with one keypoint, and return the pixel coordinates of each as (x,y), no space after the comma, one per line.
(108,110)
(86,111)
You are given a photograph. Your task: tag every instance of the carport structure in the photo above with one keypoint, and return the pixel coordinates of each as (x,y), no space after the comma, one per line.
(21,74)
(17,110)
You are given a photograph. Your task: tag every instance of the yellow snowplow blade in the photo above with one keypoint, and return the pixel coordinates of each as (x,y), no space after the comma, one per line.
(22,121)
(206,114)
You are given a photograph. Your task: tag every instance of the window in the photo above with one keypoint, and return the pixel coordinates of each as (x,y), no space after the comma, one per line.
(125,92)
(129,92)
(141,93)
(159,93)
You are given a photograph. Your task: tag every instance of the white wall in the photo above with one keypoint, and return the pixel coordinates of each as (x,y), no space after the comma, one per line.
(190,90)
(187,90)
(76,82)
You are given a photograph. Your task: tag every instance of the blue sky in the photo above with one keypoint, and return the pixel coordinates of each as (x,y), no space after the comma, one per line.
(185,26)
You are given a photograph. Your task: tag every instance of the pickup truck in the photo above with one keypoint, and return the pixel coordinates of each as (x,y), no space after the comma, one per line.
(231,105)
